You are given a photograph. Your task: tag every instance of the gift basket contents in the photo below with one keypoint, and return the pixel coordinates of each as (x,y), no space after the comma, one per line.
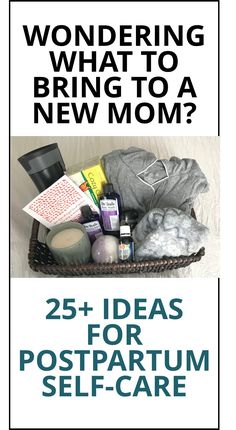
(127,212)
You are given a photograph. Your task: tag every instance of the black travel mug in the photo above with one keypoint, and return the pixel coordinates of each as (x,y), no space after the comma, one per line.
(44,165)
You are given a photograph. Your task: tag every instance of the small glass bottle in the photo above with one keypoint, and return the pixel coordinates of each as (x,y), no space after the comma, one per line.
(110,210)
(91,222)
(126,244)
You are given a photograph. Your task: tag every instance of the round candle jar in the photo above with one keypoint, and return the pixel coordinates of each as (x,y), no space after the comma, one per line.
(69,243)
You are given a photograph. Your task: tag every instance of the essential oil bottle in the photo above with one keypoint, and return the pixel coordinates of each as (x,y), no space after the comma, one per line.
(126,244)
(110,205)
(91,222)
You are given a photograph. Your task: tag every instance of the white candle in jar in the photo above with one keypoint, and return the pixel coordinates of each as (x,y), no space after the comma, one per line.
(66,238)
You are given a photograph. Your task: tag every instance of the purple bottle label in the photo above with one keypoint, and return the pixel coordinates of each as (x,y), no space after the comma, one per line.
(93,229)
(110,214)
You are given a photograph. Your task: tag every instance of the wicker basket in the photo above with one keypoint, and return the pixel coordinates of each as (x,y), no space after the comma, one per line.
(41,260)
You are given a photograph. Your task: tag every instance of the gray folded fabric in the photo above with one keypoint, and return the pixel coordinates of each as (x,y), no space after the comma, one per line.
(168,232)
(144,182)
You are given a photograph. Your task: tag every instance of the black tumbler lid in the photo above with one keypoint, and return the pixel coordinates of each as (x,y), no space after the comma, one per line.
(108,188)
(86,211)
(40,159)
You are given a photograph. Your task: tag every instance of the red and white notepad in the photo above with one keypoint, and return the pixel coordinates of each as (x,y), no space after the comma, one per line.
(59,203)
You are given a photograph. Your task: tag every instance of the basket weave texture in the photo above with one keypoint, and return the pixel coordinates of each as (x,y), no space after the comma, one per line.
(41,260)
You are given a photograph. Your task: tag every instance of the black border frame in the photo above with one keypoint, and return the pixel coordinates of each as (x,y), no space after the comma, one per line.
(9,284)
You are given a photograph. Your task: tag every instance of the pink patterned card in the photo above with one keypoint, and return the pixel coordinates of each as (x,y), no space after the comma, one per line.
(59,203)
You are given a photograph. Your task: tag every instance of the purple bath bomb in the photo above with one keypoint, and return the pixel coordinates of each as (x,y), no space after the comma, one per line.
(105,249)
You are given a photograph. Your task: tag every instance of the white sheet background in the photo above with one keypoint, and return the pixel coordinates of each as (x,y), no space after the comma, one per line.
(78,149)
(228,153)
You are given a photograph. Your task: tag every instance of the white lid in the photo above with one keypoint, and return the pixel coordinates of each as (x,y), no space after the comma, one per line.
(125,230)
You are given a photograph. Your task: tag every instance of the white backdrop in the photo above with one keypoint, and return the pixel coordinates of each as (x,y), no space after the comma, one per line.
(28,295)
(228,217)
